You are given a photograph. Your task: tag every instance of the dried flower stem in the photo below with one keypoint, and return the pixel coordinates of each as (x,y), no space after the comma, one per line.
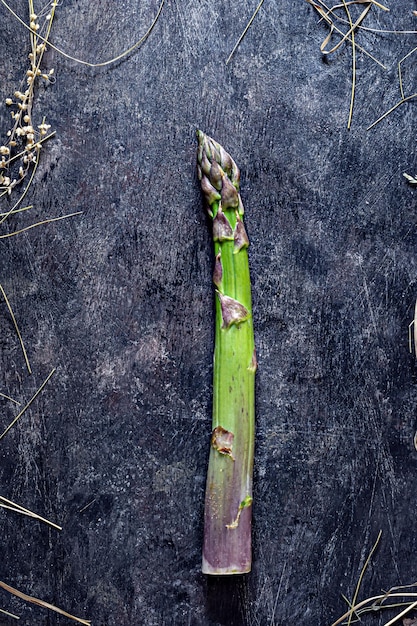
(3,395)
(3,293)
(248,25)
(17,508)
(19,415)
(45,605)
(87,63)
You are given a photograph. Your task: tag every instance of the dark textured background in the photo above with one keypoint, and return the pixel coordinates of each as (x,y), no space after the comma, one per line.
(120,301)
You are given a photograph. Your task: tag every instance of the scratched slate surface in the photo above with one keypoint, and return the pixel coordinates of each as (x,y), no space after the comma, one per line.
(119,301)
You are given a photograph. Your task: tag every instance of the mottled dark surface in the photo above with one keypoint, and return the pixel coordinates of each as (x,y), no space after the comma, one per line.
(120,301)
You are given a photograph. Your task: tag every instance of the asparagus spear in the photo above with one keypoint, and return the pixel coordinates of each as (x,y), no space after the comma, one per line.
(228,502)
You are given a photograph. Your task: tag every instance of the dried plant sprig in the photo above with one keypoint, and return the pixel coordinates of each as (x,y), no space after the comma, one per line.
(46,605)
(330,16)
(17,508)
(248,25)
(41,223)
(325,14)
(25,138)
(376,603)
(3,612)
(364,568)
(6,397)
(19,154)
(25,408)
(402,100)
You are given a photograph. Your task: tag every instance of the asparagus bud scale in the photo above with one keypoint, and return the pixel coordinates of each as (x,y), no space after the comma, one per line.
(228,501)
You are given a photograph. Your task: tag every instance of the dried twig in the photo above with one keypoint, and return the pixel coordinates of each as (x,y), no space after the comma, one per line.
(330,16)
(3,612)
(119,57)
(45,605)
(364,568)
(17,508)
(376,603)
(402,100)
(27,405)
(3,293)
(41,223)
(6,397)
(248,25)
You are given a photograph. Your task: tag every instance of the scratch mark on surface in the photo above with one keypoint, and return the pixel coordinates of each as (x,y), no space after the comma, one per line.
(195,24)
(368,299)
(278,593)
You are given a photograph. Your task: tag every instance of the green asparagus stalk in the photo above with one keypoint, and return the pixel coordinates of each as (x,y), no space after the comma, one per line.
(228,502)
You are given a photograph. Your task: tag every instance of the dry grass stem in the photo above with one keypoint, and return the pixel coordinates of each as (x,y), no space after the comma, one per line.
(9,614)
(351,32)
(3,395)
(19,415)
(248,25)
(364,568)
(325,12)
(403,99)
(46,605)
(19,210)
(41,223)
(3,293)
(330,16)
(376,603)
(119,57)
(399,103)
(17,508)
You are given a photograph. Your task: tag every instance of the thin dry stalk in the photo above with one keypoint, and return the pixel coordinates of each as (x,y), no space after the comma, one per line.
(17,508)
(402,100)
(6,397)
(46,605)
(352,33)
(41,223)
(3,612)
(25,408)
(3,293)
(119,57)
(330,16)
(248,25)
(376,603)
(364,568)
